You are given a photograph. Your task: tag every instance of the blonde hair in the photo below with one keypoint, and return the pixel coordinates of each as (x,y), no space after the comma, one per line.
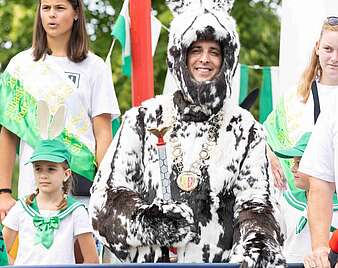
(313,70)
(66,187)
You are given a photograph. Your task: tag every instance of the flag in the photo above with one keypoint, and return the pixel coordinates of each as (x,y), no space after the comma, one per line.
(121,32)
(240,83)
(269,92)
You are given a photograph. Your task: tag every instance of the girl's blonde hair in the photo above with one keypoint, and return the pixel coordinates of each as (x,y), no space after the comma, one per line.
(67,185)
(313,70)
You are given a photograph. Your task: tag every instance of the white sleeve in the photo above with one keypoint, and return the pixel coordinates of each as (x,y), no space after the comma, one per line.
(103,97)
(81,221)
(12,219)
(318,158)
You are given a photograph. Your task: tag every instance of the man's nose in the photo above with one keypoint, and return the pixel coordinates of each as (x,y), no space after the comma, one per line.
(204,57)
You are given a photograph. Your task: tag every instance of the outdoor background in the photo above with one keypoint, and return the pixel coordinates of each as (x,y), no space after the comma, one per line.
(258,25)
(257,21)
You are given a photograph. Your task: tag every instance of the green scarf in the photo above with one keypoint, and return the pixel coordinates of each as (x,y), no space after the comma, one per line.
(3,251)
(45,226)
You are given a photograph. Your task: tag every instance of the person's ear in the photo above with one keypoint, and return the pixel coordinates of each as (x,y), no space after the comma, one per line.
(317,48)
(68,173)
(76,16)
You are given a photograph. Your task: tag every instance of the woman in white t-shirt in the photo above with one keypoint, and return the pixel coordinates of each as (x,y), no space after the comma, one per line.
(298,111)
(60,70)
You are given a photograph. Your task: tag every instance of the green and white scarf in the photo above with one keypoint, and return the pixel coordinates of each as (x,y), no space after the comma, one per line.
(3,251)
(284,127)
(22,84)
(45,226)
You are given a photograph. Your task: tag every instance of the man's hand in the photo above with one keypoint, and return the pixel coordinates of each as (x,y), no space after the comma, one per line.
(6,202)
(319,258)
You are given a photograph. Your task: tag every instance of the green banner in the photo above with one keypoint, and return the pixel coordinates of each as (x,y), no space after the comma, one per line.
(265,100)
(244,82)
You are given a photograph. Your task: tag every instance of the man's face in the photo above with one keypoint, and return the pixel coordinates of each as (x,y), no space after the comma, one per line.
(204,60)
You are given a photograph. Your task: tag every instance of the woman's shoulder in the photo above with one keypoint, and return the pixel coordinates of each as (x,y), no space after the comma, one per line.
(292,93)
(93,59)
(20,57)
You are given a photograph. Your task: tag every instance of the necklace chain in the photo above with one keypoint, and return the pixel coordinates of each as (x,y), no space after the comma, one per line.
(207,146)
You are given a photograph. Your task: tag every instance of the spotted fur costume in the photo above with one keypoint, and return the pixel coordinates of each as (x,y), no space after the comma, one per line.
(229,216)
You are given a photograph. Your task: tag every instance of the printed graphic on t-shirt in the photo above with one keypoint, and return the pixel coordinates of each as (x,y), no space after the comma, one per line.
(74,77)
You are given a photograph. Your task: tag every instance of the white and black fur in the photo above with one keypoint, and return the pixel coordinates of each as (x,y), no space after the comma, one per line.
(229,216)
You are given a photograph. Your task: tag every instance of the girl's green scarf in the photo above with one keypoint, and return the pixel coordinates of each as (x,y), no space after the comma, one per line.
(45,226)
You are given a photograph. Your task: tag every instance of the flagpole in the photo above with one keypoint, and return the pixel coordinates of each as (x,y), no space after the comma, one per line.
(142,63)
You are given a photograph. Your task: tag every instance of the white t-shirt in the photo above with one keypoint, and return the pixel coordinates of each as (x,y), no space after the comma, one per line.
(320,158)
(96,93)
(304,121)
(297,246)
(62,249)
(325,94)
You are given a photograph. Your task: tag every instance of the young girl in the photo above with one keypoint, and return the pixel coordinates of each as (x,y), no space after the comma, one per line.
(60,70)
(296,228)
(48,221)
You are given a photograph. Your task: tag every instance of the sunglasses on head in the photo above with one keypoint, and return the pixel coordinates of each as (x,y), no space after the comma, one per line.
(332,21)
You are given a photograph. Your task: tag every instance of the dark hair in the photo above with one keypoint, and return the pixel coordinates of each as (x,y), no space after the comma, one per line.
(78,43)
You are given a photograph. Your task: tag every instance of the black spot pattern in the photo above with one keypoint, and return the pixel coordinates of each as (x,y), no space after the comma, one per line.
(221,219)
(133,216)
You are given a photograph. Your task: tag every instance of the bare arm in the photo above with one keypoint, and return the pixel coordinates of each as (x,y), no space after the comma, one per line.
(9,238)
(88,248)
(103,135)
(8,142)
(277,171)
(320,217)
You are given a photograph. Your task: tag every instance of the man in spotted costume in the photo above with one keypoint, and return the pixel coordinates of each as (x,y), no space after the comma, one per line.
(220,208)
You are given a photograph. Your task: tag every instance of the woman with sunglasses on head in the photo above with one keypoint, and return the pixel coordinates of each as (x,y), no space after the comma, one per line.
(298,110)
(321,165)
(60,69)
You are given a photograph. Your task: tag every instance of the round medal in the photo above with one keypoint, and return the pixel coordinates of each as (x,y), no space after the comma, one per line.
(187,181)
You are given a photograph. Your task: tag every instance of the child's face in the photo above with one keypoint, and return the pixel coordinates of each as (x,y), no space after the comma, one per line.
(301,180)
(49,176)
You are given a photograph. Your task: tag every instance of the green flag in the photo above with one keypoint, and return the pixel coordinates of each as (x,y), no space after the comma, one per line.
(265,100)
(121,31)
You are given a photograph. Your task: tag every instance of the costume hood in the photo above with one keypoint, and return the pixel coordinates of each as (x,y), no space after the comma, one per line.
(202,20)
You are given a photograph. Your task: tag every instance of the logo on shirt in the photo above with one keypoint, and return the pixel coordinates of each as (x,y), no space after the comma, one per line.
(74,77)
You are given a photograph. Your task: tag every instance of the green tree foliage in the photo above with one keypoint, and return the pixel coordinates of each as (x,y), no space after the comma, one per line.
(257,22)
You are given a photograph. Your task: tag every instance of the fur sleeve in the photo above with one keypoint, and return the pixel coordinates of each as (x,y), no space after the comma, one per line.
(257,239)
(121,218)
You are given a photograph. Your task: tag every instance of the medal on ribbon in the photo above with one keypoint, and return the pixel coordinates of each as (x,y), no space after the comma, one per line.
(187,181)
